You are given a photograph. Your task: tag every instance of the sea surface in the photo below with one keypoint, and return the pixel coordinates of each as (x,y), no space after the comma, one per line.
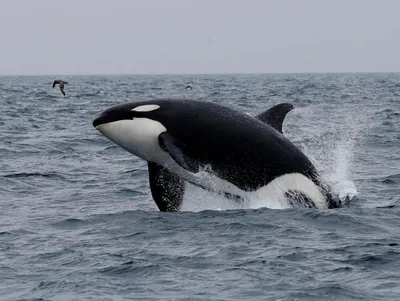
(77,221)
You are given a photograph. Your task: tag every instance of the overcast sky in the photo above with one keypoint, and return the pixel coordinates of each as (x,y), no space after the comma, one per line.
(198,36)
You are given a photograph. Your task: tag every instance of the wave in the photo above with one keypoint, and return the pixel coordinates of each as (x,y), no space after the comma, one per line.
(392,179)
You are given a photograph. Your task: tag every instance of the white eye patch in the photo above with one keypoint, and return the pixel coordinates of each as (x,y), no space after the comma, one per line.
(146,108)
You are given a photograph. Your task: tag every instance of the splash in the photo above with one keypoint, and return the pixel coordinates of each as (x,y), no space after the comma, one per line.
(198,199)
(333,151)
(340,179)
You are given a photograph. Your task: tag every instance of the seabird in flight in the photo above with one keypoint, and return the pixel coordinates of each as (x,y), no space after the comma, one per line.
(61,83)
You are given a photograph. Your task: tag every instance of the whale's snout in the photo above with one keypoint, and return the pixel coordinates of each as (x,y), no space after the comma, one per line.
(130,126)
(113,114)
(102,119)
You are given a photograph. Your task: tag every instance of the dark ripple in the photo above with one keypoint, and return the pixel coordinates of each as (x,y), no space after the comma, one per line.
(34,299)
(392,179)
(70,223)
(33,174)
(133,270)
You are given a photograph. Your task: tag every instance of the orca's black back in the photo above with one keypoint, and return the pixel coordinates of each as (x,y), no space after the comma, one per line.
(240,148)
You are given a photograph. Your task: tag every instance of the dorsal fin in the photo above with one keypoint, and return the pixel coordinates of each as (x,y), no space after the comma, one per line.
(274,116)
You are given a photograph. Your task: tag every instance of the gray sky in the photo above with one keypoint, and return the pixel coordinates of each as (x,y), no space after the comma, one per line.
(198,36)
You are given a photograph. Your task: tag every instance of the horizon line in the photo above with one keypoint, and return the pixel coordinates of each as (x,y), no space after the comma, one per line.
(191,74)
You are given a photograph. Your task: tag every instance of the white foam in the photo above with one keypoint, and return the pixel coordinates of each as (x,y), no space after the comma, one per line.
(346,190)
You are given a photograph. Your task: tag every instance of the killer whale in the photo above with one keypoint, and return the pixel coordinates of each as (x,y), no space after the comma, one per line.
(216,148)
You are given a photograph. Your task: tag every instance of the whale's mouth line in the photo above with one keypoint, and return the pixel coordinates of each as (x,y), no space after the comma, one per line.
(106,119)
(102,119)
(108,116)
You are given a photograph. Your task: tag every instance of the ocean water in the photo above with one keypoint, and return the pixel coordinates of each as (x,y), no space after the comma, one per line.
(77,221)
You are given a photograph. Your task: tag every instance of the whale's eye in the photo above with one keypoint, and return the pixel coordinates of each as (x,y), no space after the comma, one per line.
(146,108)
